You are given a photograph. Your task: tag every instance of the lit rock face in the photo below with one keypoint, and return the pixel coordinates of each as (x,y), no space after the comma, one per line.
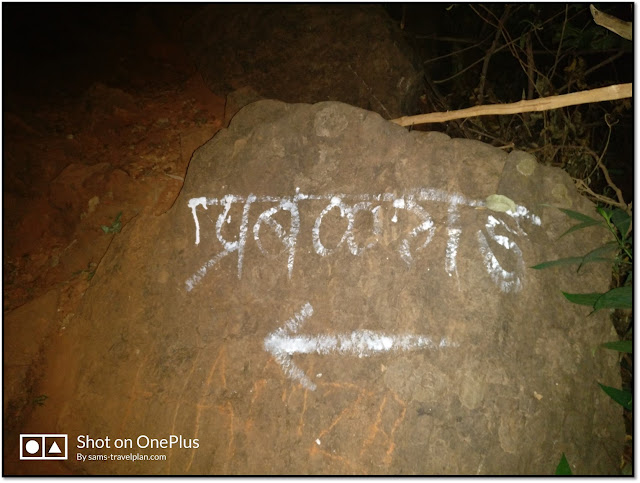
(333,294)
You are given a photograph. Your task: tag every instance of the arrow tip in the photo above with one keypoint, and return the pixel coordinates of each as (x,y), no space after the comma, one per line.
(295,322)
(272,344)
(294,372)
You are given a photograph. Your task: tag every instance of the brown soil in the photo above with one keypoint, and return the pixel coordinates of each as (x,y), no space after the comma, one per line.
(111,136)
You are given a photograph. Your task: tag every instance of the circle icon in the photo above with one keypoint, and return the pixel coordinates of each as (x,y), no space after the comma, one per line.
(32,446)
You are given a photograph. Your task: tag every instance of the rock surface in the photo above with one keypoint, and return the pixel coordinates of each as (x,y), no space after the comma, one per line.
(307,53)
(330,294)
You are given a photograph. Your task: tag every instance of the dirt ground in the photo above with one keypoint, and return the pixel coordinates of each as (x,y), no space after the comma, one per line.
(104,136)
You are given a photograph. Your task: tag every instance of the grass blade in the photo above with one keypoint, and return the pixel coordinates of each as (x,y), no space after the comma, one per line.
(592,256)
(563,468)
(596,255)
(617,298)
(579,216)
(622,221)
(619,345)
(583,298)
(580,226)
(624,398)
(562,261)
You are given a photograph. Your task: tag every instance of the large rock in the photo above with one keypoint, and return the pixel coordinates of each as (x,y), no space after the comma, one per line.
(333,294)
(307,53)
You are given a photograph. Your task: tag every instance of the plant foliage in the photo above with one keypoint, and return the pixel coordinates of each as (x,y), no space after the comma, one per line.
(563,468)
(619,224)
(115,227)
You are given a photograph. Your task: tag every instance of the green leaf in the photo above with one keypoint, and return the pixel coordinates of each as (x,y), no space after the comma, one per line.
(622,221)
(596,255)
(624,398)
(583,298)
(580,226)
(604,213)
(619,345)
(617,298)
(562,261)
(579,216)
(587,221)
(592,256)
(606,248)
(117,224)
(115,227)
(563,468)
(500,203)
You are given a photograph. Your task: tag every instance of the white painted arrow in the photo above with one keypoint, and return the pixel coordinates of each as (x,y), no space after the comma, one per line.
(282,343)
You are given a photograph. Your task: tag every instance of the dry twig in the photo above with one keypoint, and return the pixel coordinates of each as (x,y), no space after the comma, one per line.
(564,26)
(492,49)
(583,188)
(582,185)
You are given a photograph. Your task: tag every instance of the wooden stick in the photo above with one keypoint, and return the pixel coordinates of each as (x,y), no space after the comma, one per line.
(623,29)
(611,93)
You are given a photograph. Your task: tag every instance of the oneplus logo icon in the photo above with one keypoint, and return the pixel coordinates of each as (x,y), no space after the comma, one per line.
(43,446)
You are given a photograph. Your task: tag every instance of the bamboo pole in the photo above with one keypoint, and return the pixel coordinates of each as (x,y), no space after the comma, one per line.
(610,93)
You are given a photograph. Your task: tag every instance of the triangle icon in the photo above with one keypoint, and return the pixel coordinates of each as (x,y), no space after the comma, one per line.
(54,448)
